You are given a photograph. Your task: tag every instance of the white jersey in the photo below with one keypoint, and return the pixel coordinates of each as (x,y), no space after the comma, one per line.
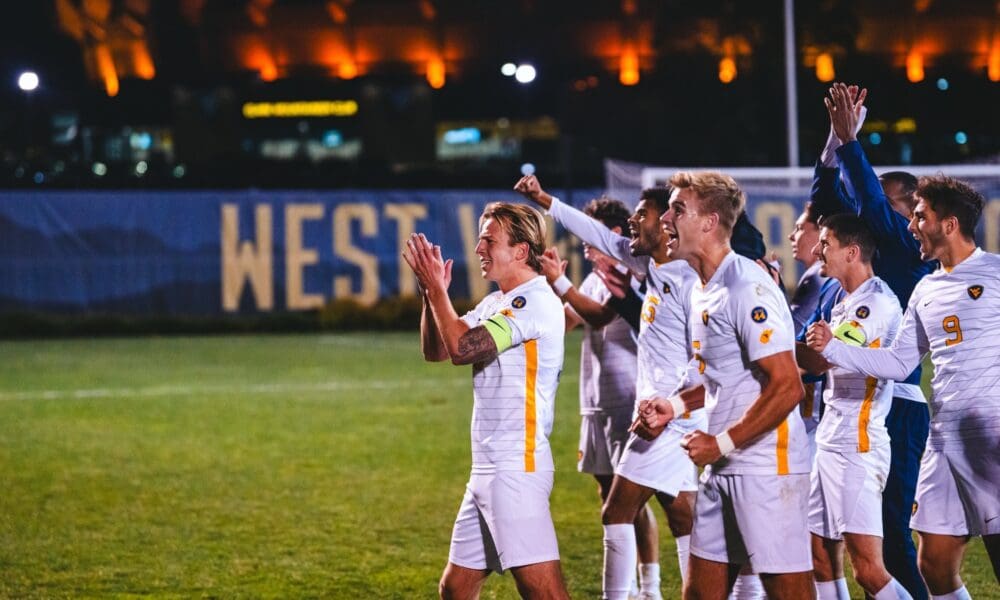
(663,350)
(739,317)
(954,315)
(856,405)
(515,392)
(607,358)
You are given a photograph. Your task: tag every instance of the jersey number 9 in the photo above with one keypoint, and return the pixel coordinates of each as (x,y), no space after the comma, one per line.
(951,325)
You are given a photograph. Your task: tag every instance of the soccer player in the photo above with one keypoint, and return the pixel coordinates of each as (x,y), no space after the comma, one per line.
(646,467)
(811,289)
(607,377)
(885,204)
(852,459)
(953,313)
(514,340)
(804,238)
(752,499)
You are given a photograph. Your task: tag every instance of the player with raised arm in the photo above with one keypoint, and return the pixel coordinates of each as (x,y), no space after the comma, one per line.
(647,467)
(954,314)
(607,377)
(852,458)
(514,340)
(752,500)
(886,204)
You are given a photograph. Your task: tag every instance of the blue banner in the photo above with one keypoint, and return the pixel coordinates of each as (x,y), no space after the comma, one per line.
(223,252)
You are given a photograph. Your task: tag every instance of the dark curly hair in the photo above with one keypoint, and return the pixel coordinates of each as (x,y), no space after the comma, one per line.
(950,197)
(612,213)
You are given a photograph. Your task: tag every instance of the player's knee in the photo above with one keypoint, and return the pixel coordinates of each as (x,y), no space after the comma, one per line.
(614,513)
(679,519)
(619,510)
(822,568)
(937,572)
(448,588)
(869,574)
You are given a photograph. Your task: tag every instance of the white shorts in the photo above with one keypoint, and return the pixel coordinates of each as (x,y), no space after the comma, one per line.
(602,440)
(958,493)
(846,492)
(755,519)
(504,522)
(660,464)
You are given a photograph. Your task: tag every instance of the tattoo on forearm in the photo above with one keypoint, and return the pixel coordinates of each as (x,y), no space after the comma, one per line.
(476,345)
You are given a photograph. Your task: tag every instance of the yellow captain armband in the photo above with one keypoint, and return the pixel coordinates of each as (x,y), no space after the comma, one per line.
(850,334)
(500,331)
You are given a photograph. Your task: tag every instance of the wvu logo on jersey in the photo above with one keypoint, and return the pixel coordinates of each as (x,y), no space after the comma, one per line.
(666,287)
(863,312)
(975,291)
(704,317)
(758,314)
(518,302)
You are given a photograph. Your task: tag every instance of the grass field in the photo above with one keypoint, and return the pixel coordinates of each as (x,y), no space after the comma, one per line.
(259,466)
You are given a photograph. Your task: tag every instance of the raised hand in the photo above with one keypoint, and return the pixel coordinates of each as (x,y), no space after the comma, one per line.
(432,271)
(552,266)
(845,105)
(529,187)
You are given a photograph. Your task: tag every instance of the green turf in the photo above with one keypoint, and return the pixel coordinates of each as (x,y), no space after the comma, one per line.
(258,466)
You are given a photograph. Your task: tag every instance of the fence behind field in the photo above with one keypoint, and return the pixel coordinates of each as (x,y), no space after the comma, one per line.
(256,252)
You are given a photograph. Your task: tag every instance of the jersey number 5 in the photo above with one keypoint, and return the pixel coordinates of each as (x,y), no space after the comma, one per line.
(952,326)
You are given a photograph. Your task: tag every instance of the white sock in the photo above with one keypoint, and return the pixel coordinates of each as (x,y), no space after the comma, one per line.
(748,587)
(683,552)
(893,591)
(833,590)
(649,578)
(959,594)
(619,560)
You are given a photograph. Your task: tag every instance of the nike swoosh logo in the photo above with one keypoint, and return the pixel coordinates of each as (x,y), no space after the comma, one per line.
(926,302)
(847,334)
(993,518)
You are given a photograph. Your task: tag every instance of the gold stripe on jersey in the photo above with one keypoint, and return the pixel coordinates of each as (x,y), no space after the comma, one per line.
(531,371)
(865,414)
(871,384)
(782,447)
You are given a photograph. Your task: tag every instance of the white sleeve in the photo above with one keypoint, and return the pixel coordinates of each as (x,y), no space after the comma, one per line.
(762,320)
(895,362)
(597,235)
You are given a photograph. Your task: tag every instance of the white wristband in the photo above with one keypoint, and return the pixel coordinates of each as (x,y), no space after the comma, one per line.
(725,443)
(562,285)
(677,405)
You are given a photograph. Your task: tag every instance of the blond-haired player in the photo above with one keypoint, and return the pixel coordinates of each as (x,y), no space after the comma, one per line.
(514,340)
(752,500)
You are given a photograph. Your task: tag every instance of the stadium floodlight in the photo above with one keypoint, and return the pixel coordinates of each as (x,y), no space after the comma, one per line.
(28,81)
(525,73)
(508,69)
